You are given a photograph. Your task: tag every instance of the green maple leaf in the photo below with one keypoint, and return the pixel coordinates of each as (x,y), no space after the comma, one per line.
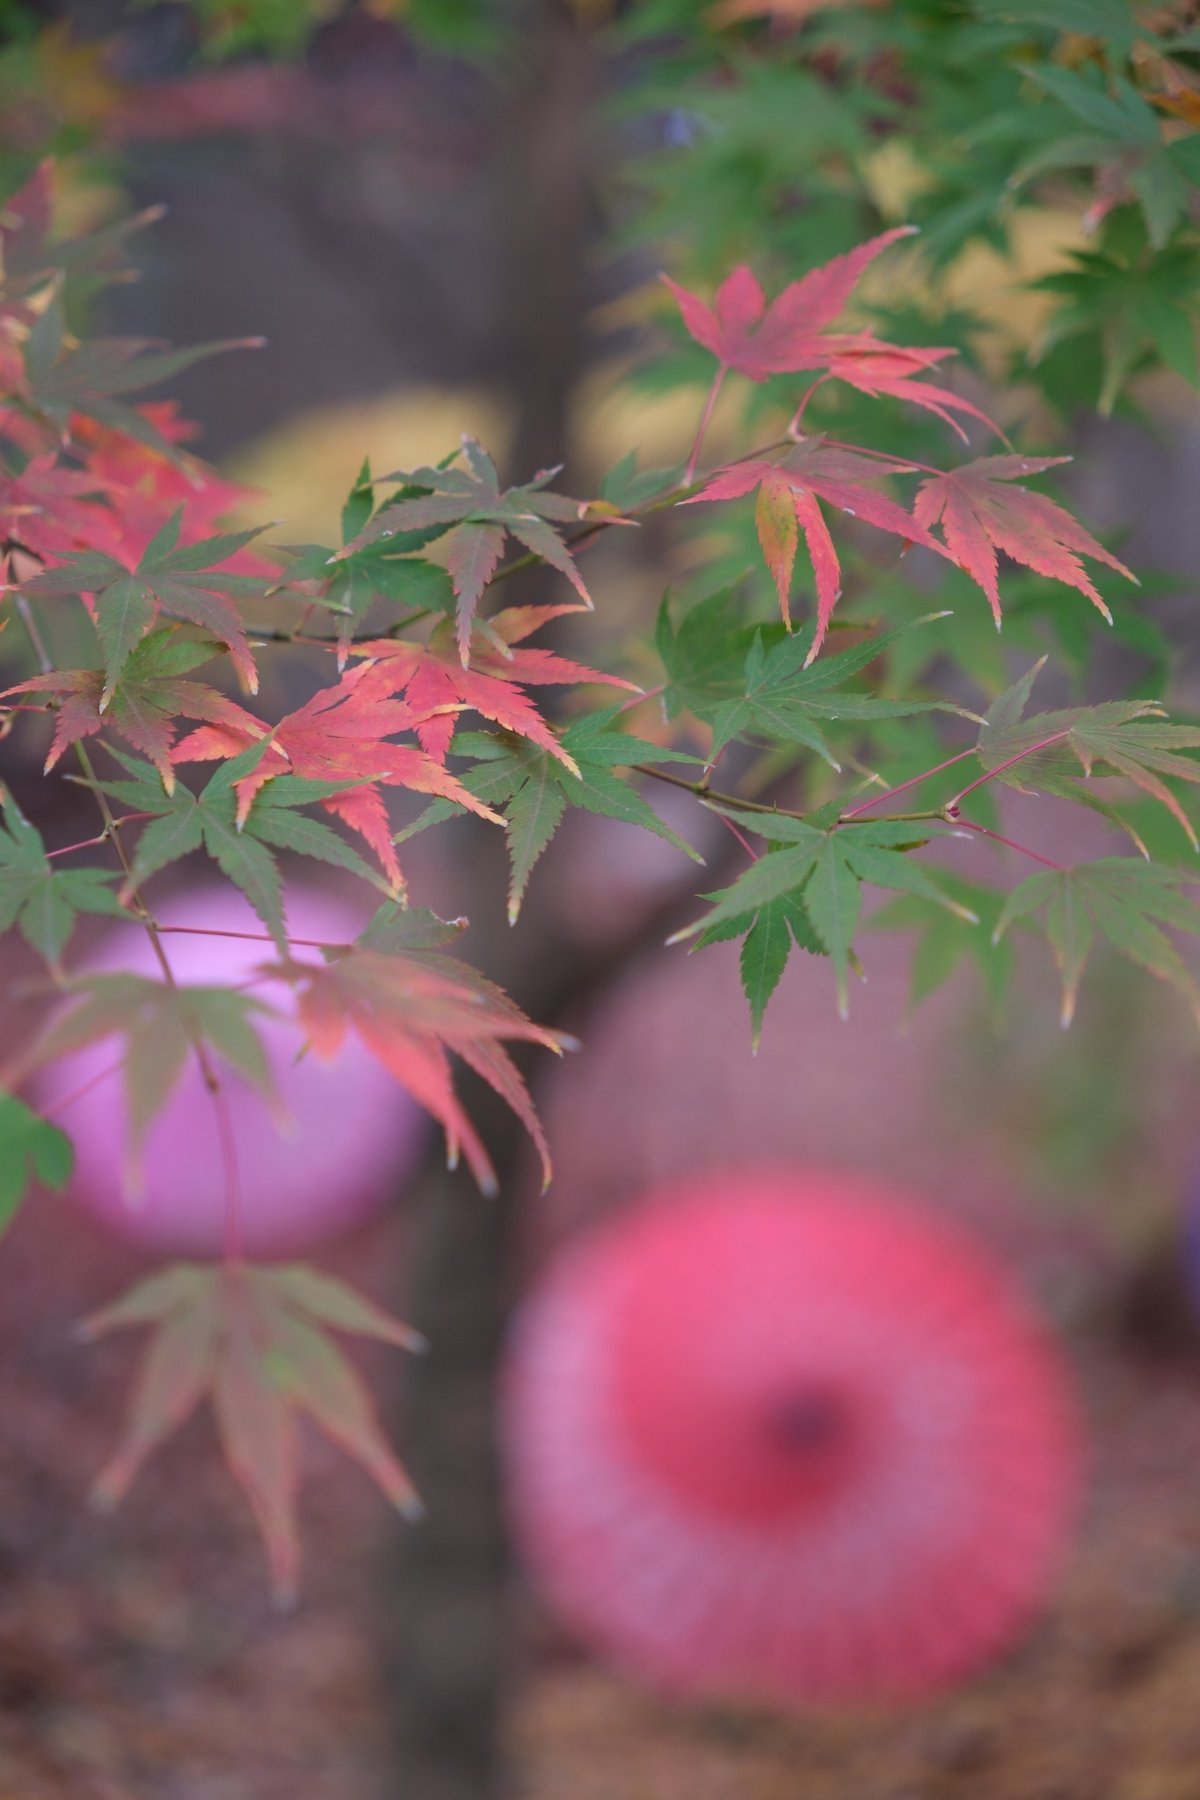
(1126,902)
(184,822)
(176,578)
(781,699)
(30,1148)
(534,789)
(351,580)
(1057,752)
(826,867)
(768,937)
(471,501)
(38,897)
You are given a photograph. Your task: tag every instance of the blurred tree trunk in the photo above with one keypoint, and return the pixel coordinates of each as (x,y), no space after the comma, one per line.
(445,1587)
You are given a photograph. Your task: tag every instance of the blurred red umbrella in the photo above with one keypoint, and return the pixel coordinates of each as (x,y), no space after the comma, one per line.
(773,1435)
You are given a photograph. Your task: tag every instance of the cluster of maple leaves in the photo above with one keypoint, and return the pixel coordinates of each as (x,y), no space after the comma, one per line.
(112,548)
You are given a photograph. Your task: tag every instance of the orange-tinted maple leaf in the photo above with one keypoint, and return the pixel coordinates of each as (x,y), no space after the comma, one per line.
(979,516)
(411,1006)
(790,334)
(787,504)
(149,698)
(341,734)
(432,677)
(254,1339)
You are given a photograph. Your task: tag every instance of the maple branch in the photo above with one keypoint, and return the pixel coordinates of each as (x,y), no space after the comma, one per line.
(254,937)
(1009,843)
(903,786)
(705,420)
(103,837)
(57,1106)
(951,807)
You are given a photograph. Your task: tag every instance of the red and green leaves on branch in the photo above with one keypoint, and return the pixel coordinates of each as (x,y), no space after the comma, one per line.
(184,580)
(257,1343)
(340,738)
(471,501)
(241,833)
(533,787)
(412,1005)
(492,682)
(152,694)
(39,896)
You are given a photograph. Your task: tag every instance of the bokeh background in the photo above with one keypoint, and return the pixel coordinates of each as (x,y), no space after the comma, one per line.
(429,214)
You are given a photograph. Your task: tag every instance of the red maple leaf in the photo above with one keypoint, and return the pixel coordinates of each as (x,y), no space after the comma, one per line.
(758,340)
(874,368)
(979,517)
(341,734)
(411,1007)
(432,678)
(787,505)
(257,1341)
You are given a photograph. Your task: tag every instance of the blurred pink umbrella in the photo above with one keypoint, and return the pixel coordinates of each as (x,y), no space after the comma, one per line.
(333,1155)
(772,1435)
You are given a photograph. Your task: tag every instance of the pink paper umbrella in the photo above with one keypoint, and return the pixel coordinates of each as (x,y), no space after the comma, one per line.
(773,1436)
(332,1155)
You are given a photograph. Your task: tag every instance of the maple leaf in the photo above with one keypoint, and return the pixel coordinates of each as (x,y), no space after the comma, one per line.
(492,683)
(788,504)
(827,866)
(980,514)
(411,1006)
(30,1147)
(471,500)
(179,578)
(1055,751)
(161,1025)
(256,1341)
(758,340)
(48,509)
(768,936)
(28,257)
(535,788)
(339,737)
(1126,901)
(145,704)
(241,840)
(39,898)
(62,376)
(783,693)
(877,368)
